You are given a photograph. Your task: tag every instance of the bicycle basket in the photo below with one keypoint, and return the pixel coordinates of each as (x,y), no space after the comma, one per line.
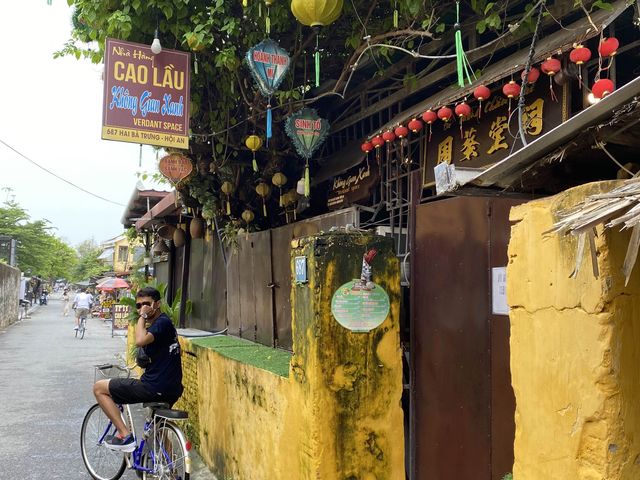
(108,370)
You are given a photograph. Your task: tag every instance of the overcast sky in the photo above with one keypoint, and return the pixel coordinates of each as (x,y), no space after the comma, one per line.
(51,111)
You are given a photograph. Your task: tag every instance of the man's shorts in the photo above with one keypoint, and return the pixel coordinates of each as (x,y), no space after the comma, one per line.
(132,390)
(82,312)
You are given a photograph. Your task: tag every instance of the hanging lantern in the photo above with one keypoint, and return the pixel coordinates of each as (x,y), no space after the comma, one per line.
(550,67)
(290,198)
(389,136)
(227,189)
(263,190)
(608,47)
(510,90)
(378,142)
(579,55)
(196,227)
(602,88)
(401,131)
(429,117)
(445,114)
(463,110)
(248,217)
(179,237)
(267,21)
(366,147)
(253,143)
(415,125)
(481,93)
(279,180)
(532,76)
(316,14)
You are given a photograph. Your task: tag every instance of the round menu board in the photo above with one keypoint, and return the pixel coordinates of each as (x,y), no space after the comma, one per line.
(360,307)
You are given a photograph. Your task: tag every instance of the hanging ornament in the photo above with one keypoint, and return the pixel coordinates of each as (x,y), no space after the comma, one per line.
(248,216)
(263,190)
(307,131)
(253,143)
(579,55)
(510,90)
(267,20)
(462,62)
(268,64)
(279,180)
(388,136)
(608,47)
(445,114)
(550,67)
(378,142)
(366,147)
(532,76)
(290,199)
(245,3)
(196,227)
(429,117)
(401,132)
(602,87)
(481,93)
(463,110)
(316,14)
(395,14)
(227,189)
(415,125)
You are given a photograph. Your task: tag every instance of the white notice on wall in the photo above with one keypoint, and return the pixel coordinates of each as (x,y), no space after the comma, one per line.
(499,291)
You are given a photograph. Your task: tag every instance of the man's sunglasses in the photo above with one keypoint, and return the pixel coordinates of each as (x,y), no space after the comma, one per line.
(139,305)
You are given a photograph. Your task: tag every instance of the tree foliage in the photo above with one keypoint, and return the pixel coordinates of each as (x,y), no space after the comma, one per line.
(39,252)
(88,264)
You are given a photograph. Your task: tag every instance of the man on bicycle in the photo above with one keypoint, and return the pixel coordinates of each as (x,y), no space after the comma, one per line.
(162,379)
(82,304)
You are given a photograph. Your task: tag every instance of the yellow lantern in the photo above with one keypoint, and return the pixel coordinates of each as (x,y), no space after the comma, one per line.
(290,198)
(227,189)
(279,180)
(253,143)
(316,14)
(263,190)
(248,217)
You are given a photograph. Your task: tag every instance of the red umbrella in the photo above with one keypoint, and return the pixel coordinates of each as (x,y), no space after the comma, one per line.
(112,284)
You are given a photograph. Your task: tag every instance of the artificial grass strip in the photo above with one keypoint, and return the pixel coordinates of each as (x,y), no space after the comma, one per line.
(270,359)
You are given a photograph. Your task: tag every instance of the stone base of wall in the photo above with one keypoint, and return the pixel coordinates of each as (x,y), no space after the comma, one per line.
(9,294)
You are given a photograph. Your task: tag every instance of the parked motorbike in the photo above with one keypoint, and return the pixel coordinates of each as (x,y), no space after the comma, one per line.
(43,298)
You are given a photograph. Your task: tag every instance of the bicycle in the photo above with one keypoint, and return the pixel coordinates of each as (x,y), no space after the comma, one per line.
(162,453)
(23,309)
(82,327)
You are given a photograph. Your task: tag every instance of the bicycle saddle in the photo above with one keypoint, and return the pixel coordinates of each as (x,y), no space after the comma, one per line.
(161,409)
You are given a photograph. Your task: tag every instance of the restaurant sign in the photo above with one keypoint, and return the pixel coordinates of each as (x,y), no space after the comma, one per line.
(355,184)
(488,138)
(175,167)
(146,96)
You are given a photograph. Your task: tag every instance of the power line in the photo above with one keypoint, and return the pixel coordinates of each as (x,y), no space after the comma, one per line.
(58,176)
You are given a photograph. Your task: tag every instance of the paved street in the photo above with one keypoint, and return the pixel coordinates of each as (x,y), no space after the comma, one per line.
(45,389)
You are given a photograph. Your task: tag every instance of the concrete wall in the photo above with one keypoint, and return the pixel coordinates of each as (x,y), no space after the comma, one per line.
(575,350)
(332,413)
(9,294)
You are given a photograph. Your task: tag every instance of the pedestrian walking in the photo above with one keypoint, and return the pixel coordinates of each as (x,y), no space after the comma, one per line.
(66,302)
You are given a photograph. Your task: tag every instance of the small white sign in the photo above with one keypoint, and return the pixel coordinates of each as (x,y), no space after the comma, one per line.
(499,291)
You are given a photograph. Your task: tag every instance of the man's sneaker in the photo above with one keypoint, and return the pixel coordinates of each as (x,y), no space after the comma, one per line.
(76,327)
(126,444)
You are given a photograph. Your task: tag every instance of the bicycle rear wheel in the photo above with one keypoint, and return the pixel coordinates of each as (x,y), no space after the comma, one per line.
(83,327)
(101,463)
(168,457)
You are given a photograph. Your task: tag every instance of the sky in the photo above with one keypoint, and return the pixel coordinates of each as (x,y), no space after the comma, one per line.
(51,112)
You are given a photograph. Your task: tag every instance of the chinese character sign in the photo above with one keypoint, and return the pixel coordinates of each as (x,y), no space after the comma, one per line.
(146,96)
(489,139)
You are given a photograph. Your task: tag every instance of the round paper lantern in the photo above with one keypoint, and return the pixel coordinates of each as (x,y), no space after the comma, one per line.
(389,136)
(445,114)
(551,66)
(481,93)
(263,190)
(401,131)
(580,54)
(511,89)
(608,47)
(602,88)
(429,117)
(316,13)
(415,125)
(196,227)
(227,189)
(253,143)
(280,180)
(179,237)
(463,110)
(366,147)
(248,216)
(532,76)
(377,141)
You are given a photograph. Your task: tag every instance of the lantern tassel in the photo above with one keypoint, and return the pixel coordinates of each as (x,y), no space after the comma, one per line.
(264,208)
(281,203)
(267,23)
(228,207)
(269,121)
(307,182)
(463,65)
(554,97)
(255,163)
(195,63)
(317,58)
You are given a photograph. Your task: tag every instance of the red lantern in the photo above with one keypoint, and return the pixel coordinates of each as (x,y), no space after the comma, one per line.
(401,131)
(532,76)
(608,47)
(389,136)
(377,141)
(415,125)
(481,93)
(366,147)
(579,55)
(445,114)
(551,66)
(602,88)
(462,110)
(510,90)
(429,117)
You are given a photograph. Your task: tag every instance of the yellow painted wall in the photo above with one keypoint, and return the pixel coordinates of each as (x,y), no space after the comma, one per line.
(337,416)
(123,264)
(575,350)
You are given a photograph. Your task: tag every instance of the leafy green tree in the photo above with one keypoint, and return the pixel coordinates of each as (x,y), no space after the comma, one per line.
(88,263)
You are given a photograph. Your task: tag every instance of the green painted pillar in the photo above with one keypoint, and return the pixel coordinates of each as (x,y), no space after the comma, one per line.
(350,378)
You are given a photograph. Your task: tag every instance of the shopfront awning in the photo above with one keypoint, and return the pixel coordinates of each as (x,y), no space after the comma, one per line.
(106,255)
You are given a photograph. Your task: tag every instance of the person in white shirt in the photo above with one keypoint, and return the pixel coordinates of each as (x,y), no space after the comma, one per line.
(82,305)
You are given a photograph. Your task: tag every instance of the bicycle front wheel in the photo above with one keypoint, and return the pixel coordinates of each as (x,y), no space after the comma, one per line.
(83,328)
(101,463)
(168,458)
